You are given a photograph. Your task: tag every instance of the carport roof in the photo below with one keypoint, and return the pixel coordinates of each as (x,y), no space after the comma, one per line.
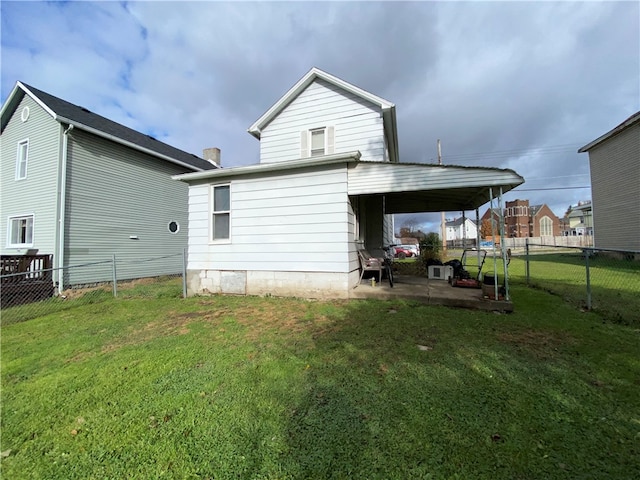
(419,187)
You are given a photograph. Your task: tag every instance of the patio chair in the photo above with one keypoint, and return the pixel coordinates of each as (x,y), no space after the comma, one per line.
(369,263)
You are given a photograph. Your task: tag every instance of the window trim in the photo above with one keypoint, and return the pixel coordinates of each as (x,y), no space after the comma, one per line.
(10,230)
(22,143)
(324,141)
(306,140)
(213,212)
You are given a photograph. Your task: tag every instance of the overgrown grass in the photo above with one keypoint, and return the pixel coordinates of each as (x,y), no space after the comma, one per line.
(149,386)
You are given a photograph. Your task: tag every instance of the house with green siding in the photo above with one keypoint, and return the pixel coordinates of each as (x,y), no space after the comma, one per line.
(82,188)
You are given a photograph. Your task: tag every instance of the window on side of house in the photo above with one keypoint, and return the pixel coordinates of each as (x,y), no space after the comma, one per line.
(316,142)
(21,159)
(220,213)
(20,232)
(318,139)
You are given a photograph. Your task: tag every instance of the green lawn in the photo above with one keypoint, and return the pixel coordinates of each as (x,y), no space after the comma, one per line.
(150,385)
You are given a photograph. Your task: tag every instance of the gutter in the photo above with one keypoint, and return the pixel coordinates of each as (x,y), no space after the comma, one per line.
(62,192)
(350,157)
(112,138)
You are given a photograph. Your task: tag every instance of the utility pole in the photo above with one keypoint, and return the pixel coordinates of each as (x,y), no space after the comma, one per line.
(443,227)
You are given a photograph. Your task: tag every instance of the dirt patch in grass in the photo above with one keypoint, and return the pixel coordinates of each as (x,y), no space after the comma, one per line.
(540,344)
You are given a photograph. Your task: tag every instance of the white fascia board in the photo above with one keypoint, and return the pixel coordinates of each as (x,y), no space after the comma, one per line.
(302,84)
(102,134)
(36,99)
(350,157)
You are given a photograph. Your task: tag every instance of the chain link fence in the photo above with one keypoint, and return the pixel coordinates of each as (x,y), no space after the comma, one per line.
(605,281)
(34,291)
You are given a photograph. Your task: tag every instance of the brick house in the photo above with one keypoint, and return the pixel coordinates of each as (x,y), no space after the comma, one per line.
(522,220)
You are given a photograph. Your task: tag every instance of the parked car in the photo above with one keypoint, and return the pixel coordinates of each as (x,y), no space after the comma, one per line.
(402,252)
(413,248)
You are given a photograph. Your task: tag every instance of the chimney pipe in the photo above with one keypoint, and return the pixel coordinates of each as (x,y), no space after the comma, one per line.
(212,155)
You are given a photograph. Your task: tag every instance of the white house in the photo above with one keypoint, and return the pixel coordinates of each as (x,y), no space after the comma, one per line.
(328,180)
(461,229)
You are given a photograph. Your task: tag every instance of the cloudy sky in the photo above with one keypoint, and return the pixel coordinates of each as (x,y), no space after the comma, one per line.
(514,85)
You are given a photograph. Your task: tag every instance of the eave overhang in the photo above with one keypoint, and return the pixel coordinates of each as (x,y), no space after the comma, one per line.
(269,168)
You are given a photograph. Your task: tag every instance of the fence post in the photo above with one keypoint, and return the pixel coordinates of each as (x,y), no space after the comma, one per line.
(587,254)
(526,258)
(184,273)
(115,277)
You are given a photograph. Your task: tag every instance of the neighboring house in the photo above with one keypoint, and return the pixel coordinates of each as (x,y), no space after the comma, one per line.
(579,220)
(328,180)
(461,228)
(522,220)
(614,161)
(82,188)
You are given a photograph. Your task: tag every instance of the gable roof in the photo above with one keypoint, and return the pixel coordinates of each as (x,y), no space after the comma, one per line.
(68,113)
(458,222)
(635,118)
(388,108)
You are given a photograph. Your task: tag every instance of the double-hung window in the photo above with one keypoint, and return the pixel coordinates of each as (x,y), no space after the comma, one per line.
(21,159)
(220,213)
(20,231)
(317,141)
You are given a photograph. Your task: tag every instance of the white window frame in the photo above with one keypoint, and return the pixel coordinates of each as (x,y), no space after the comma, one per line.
(306,141)
(213,213)
(23,146)
(11,226)
(312,132)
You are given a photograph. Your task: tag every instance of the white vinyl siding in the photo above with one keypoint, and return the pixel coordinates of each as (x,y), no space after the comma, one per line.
(21,159)
(351,122)
(20,232)
(36,193)
(296,221)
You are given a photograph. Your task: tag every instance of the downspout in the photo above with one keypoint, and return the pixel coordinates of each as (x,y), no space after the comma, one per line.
(63,207)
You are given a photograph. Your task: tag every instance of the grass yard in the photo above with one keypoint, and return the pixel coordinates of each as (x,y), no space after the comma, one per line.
(150,385)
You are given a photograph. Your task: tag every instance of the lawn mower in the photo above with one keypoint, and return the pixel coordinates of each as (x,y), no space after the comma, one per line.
(461,276)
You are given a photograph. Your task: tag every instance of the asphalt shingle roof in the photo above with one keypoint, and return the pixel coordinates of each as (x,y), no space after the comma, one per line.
(81,115)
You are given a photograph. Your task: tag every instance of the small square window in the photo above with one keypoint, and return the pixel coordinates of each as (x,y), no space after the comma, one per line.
(21,160)
(21,231)
(221,212)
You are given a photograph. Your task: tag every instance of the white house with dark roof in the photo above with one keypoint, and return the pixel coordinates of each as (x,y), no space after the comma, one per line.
(80,187)
(329,176)
(614,162)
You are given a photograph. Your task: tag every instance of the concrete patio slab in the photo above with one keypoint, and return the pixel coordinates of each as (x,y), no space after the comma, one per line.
(430,292)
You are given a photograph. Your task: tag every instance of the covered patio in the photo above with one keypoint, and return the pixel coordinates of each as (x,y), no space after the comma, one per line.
(430,292)
(420,188)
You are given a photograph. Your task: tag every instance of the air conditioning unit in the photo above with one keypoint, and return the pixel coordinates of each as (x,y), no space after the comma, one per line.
(440,272)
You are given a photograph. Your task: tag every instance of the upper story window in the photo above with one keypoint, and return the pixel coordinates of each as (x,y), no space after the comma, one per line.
(20,232)
(21,159)
(220,212)
(316,142)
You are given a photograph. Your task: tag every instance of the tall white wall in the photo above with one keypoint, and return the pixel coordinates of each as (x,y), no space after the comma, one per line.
(357,124)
